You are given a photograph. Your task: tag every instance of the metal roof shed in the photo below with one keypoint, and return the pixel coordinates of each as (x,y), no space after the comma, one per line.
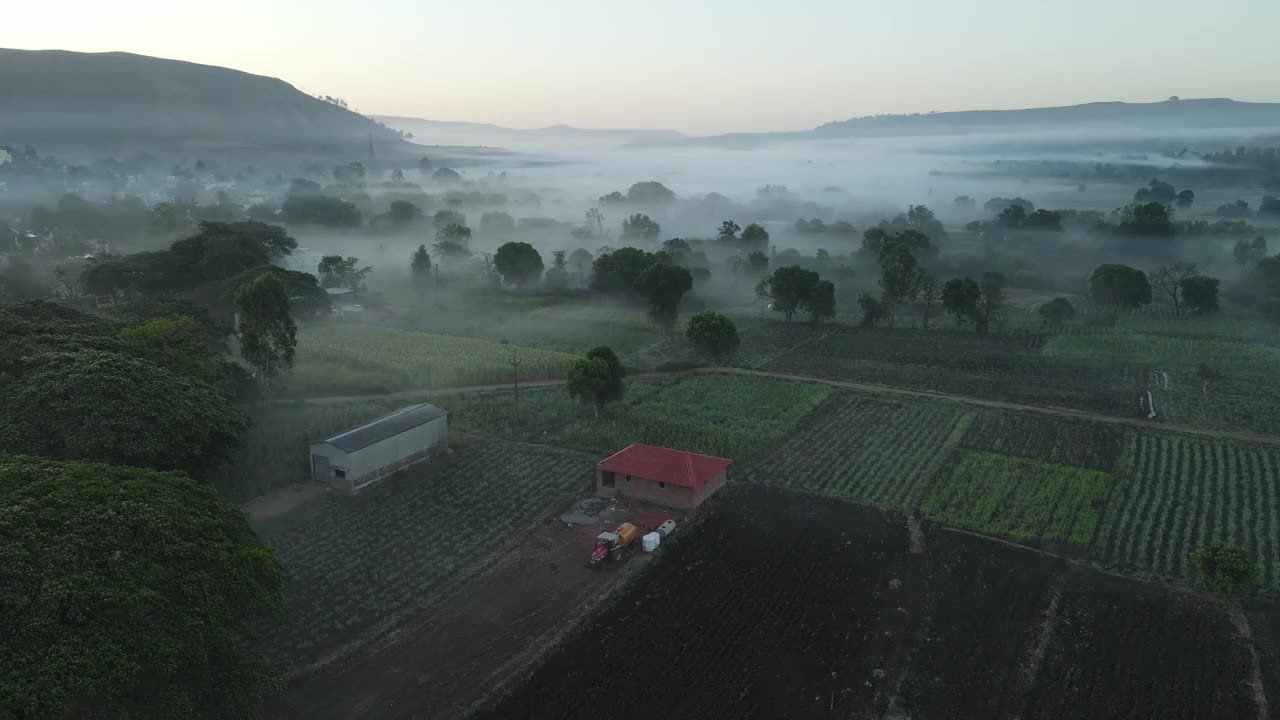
(354,459)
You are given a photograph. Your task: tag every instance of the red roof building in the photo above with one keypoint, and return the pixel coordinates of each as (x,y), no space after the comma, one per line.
(662,475)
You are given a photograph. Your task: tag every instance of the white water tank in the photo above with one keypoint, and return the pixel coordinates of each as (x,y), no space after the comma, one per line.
(651,541)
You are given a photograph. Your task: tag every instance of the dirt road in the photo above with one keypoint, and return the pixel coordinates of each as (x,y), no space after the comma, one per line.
(867,388)
(454,655)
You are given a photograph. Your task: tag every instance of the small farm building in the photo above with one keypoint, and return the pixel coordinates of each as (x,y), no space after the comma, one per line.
(669,477)
(352,460)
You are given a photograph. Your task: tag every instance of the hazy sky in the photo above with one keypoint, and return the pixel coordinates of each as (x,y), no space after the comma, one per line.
(699,66)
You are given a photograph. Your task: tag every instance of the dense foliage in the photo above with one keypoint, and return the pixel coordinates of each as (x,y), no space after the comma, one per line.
(126,594)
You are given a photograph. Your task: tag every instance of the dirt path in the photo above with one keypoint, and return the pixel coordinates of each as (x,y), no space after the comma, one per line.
(453,656)
(860,387)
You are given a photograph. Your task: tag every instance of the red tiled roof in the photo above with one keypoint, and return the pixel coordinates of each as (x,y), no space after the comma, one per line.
(677,467)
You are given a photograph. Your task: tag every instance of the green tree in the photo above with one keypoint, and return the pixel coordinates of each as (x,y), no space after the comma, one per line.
(640,227)
(1149,220)
(755,238)
(960,297)
(588,378)
(128,593)
(614,387)
(821,304)
(1226,569)
(268,334)
(872,310)
(619,271)
(712,334)
(757,264)
(519,264)
(1119,286)
(1186,198)
(320,210)
(790,287)
(111,407)
(337,271)
(663,285)
(1057,312)
(177,343)
(404,212)
(453,243)
(444,218)
(728,231)
(1200,294)
(899,274)
(420,270)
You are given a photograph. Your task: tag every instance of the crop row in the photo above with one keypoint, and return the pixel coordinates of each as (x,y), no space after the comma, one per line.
(1184,493)
(867,450)
(1023,500)
(353,562)
(1051,439)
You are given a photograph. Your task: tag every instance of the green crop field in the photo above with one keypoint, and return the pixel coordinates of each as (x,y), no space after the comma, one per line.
(1019,499)
(727,415)
(1160,350)
(1184,493)
(1050,439)
(336,358)
(868,450)
(352,562)
(273,453)
(760,341)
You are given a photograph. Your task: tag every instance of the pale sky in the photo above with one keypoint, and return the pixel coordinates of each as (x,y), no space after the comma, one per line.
(699,66)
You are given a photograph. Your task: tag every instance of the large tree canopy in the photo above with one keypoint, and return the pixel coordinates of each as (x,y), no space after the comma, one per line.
(790,287)
(1119,286)
(125,594)
(712,334)
(111,407)
(518,263)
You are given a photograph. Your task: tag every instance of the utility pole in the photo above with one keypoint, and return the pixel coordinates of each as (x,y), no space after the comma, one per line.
(514,362)
(435,287)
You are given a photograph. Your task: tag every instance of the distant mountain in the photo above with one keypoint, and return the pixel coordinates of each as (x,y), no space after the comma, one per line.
(119,102)
(435,132)
(1168,115)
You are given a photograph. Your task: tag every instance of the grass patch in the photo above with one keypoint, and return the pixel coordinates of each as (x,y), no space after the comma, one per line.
(727,415)
(352,359)
(1020,499)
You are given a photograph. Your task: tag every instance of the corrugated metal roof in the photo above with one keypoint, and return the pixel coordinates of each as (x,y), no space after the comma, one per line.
(385,427)
(677,467)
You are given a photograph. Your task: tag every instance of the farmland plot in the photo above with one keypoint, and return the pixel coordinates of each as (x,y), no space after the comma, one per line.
(787,605)
(1055,440)
(945,363)
(352,562)
(1022,500)
(1130,651)
(1184,493)
(727,415)
(967,663)
(866,449)
(354,359)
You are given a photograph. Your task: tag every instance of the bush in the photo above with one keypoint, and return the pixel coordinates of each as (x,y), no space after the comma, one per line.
(1227,569)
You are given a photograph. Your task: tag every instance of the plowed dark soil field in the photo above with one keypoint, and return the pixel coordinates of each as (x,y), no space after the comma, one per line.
(783,605)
